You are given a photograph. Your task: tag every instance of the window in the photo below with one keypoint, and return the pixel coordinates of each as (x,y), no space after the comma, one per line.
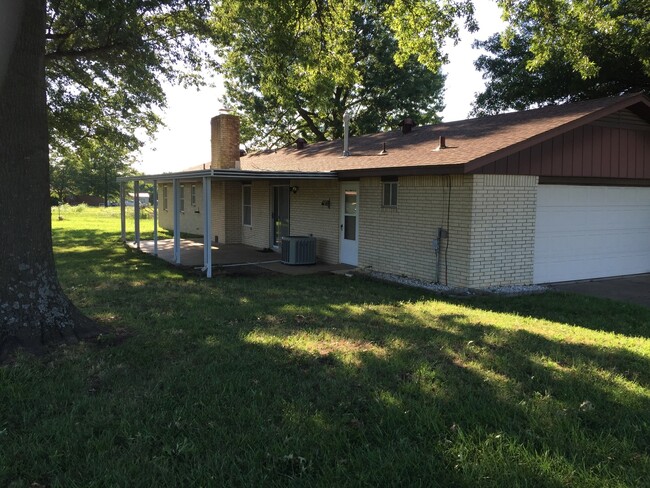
(164,189)
(247,205)
(193,195)
(390,192)
(181,199)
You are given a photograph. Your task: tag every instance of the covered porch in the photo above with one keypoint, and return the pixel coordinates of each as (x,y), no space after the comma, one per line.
(234,257)
(203,252)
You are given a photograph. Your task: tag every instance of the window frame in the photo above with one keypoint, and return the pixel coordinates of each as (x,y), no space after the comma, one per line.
(244,205)
(389,193)
(193,195)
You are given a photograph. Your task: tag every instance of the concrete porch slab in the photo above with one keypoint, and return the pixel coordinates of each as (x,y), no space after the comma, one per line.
(233,258)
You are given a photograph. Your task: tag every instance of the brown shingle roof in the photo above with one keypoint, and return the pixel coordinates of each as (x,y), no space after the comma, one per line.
(471,143)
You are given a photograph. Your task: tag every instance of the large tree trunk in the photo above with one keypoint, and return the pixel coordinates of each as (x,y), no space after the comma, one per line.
(33,308)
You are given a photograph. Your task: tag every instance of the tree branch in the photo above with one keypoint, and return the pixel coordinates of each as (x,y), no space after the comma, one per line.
(84,52)
(320,135)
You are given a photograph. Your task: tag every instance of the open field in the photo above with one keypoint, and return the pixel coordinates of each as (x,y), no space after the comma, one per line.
(321,381)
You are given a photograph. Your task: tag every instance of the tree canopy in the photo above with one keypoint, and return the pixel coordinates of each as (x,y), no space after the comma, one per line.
(561,50)
(105,62)
(293,67)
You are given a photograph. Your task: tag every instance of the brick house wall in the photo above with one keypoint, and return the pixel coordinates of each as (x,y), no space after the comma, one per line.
(258,233)
(310,217)
(490,221)
(191,222)
(227,212)
(502,230)
(400,240)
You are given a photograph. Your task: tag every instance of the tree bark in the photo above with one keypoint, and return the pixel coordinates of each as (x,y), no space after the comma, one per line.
(33,308)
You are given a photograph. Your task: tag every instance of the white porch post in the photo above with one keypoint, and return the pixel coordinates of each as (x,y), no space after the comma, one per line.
(177,222)
(155,217)
(122,212)
(207,226)
(136,211)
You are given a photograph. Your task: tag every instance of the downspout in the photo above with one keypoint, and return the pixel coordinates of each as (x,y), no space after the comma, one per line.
(443,233)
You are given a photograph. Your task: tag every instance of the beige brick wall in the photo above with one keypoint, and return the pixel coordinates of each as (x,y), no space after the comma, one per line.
(456,249)
(165,217)
(400,240)
(218,212)
(191,222)
(309,217)
(258,234)
(503,230)
(225,196)
(233,216)
(490,221)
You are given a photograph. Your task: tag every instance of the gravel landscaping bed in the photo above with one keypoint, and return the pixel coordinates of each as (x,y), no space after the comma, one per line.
(512,290)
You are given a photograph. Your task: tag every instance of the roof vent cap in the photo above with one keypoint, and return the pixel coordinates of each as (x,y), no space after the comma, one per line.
(407,124)
(301,143)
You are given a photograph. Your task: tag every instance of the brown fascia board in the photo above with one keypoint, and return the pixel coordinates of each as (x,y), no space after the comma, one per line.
(591,181)
(639,100)
(433,169)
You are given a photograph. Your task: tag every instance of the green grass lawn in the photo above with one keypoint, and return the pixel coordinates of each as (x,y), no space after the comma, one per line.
(321,381)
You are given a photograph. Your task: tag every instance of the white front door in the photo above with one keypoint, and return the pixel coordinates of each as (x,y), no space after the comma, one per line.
(349,228)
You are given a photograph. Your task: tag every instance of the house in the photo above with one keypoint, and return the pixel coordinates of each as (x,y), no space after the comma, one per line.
(552,194)
(142,197)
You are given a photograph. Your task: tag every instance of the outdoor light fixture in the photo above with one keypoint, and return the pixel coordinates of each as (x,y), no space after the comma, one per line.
(326,203)
(294,189)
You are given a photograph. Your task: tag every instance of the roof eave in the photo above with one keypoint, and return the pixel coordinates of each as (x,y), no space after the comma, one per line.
(638,98)
(420,170)
(233,175)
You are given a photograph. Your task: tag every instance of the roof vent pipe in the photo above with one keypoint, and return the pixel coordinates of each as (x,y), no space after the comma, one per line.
(441,144)
(346,134)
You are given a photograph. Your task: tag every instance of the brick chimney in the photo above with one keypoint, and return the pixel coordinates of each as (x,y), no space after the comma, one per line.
(225,142)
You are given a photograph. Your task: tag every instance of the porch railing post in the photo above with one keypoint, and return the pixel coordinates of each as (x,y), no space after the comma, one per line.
(136,211)
(207,225)
(155,217)
(122,212)
(177,222)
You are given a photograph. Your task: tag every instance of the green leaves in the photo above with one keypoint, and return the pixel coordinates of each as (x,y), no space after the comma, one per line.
(421,28)
(576,28)
(294,67)
(559,50)
(105,62)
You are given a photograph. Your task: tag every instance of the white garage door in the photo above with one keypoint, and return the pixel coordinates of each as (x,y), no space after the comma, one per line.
(591,232)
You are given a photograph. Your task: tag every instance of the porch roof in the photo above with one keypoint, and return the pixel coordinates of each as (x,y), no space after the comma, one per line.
(233,174)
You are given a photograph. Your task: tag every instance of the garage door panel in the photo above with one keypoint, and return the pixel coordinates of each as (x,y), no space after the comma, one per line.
(590,232)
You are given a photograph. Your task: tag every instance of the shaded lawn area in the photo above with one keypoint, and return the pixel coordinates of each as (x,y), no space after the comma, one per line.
(321,381)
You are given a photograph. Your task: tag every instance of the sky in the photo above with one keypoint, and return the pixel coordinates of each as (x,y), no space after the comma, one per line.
(185,140)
